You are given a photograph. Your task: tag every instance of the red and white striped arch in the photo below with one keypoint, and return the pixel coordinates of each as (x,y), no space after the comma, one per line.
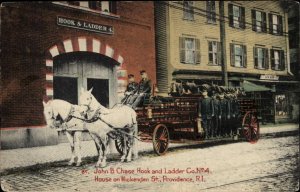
(75,44)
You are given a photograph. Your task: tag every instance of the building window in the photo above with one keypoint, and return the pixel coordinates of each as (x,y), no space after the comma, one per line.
(236,16)
(275,24)
(214,53)
(277,60)
(259,21)
(211,11)
(105,6)
(188,12)
(238,55)
(261,60)
(189,50)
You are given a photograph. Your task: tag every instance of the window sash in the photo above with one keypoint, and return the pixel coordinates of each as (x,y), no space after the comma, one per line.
(188,10)
(211,11)
(190,51)
(239,57)
(213,52)
(260,58)
(236,16)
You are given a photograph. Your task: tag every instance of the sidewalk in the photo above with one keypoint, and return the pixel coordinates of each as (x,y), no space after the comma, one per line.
(24,157)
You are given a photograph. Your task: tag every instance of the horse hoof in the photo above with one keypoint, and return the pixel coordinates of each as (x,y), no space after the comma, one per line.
(71,163)
(128,160)
(78,164)
(122,160)
(102,165)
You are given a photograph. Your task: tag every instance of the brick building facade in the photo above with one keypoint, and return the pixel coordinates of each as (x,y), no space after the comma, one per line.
(41,42)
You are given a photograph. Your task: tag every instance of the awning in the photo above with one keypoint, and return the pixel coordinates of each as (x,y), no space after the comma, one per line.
(251,87)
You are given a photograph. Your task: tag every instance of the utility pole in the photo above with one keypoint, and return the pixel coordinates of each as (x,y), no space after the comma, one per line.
(223,44)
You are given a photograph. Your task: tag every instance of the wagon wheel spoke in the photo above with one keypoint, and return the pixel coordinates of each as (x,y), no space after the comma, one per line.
(160,139)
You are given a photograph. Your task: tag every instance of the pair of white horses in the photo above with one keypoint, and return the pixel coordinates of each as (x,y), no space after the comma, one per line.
(98,120)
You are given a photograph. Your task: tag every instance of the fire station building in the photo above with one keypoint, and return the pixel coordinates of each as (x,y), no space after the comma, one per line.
(52,49)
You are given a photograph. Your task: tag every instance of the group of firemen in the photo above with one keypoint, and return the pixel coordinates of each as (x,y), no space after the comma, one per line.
(220,113)
(218,107)
(137,92)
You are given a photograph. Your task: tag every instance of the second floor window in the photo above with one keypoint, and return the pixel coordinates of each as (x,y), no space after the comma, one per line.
(259,22)
(277,60)
(238,55)
(261,58)
(211,11)
(105,6)
(188,12)
(275,24)
(214,53)
(189,50)
(236,16)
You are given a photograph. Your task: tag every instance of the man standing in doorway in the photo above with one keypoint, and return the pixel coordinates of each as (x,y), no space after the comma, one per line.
(143,90)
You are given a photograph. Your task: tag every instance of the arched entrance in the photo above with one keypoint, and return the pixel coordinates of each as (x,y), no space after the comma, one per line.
(84,62)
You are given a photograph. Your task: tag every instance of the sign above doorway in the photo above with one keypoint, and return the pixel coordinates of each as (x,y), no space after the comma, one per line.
(84,25)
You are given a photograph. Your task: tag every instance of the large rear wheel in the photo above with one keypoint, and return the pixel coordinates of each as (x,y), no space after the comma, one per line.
(160,139)
(251,127)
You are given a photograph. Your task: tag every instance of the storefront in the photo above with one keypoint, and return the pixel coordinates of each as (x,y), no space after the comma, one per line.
(54,49)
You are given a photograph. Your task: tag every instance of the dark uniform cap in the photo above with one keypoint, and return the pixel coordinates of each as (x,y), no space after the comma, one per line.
(142,71)
(130,75)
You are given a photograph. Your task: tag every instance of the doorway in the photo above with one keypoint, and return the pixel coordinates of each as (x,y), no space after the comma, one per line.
(65,89)
(100,90)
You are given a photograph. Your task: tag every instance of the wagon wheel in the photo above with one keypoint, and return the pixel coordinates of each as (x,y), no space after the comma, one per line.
(119,142)
(160,139)
(251,127)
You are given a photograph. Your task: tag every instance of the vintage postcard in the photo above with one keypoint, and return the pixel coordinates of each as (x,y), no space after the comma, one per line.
(157,96)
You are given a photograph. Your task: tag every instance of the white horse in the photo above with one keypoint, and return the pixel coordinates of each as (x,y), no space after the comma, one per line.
(58,114)
(123,117)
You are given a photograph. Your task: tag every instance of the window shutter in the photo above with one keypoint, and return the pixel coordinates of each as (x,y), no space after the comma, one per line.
(198,56)
(232,54)
(113,6)
(282,60)
(230,13)
(208,10)
(272,59)
(245,55)
(255,57)
(270,24)
(264,22)
(219,59)
(253,15)
(182,49)
(280,26)
(266,55)
(242,21)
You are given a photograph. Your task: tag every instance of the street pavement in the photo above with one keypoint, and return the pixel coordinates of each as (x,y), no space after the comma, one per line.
(272,164)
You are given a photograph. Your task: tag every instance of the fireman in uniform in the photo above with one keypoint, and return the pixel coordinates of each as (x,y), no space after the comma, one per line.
(143,90)
(131,88)
(223,114)
(207,112)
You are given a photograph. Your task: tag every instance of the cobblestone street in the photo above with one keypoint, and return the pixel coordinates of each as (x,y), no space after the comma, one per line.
(272,164)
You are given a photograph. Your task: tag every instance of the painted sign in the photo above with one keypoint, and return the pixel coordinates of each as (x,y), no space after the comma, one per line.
(84,25)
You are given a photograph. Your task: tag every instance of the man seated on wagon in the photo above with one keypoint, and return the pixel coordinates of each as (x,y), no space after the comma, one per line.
(143,90)
(131,88)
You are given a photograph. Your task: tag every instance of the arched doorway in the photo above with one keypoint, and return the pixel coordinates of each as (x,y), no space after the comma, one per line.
(84,62)
(88,70)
